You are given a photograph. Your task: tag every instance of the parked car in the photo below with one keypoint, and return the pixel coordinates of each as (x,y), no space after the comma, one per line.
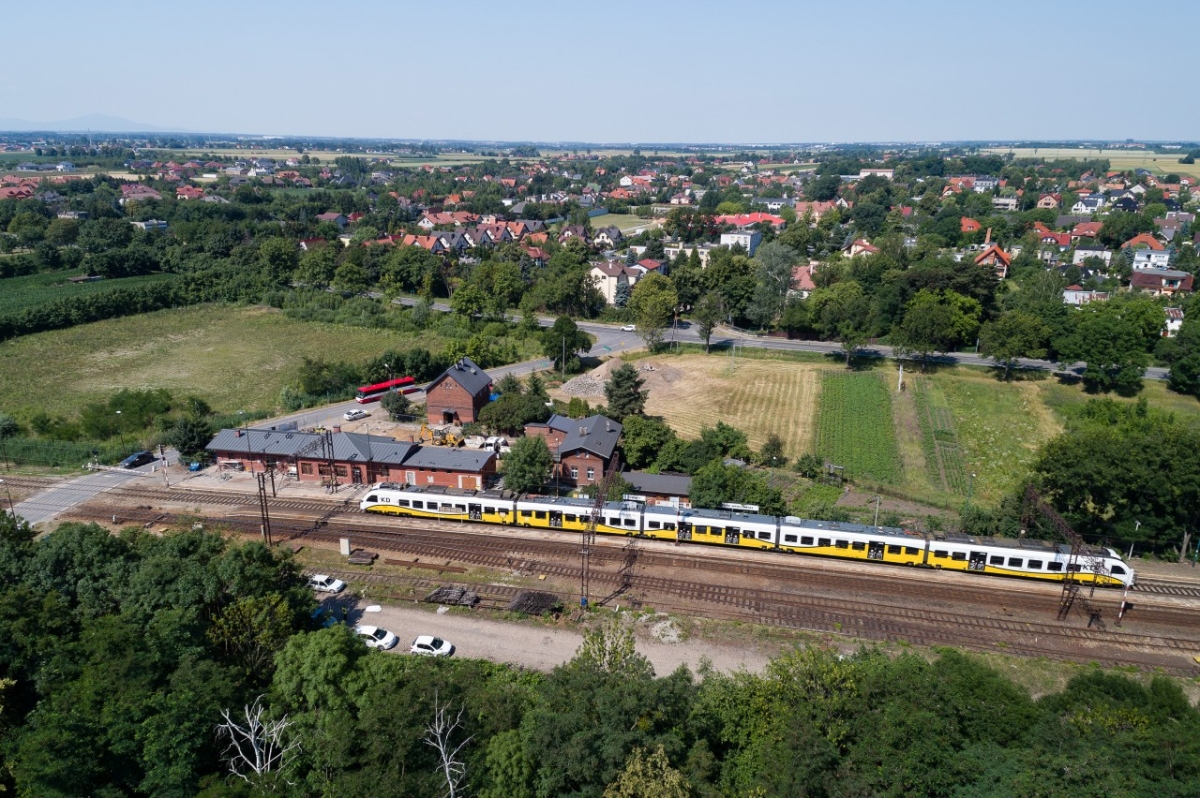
(429,646)
(355,414)
(375,637)
(326,584)
(138,459)
(629,328)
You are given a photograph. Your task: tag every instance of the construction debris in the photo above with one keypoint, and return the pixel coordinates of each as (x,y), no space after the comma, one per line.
(459,596)
(533,602)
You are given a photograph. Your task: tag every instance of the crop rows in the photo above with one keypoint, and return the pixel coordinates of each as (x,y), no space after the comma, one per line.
(939,442)
(855,427)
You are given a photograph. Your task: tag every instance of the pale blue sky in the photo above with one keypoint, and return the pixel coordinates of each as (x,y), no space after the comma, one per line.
(757,71)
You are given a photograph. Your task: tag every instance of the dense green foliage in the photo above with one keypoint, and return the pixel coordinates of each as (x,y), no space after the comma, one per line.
(854,426)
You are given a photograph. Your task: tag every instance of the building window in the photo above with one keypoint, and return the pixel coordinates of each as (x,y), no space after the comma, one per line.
(429,479)
(591,474)
(306,468)
(574,472)
(341,471)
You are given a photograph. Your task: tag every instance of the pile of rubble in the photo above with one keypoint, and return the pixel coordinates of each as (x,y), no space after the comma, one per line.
(533,602)
(584,385)
(453,595)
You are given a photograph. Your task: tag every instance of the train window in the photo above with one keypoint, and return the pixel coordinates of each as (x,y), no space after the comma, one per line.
(372,498)
(841,544)
(806,540)
(1116,569)
(764,535)
(1053,566)
(892,549)
(630,522)
(858,545)
(447,507)
(789,538)
(732,530)
(1035,564)
(823,541)
(614,522)
(462,508)
(540,515)
(1073,568)
(418,504)
(958,555)
(997,559)
(941,554)
(911,551)
(402,502)
(572,518)
(1014,562)
(652,524)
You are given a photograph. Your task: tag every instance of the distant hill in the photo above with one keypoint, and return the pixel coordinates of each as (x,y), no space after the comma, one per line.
(100,123)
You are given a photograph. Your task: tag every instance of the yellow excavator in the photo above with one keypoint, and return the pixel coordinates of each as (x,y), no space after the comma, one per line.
(440,436)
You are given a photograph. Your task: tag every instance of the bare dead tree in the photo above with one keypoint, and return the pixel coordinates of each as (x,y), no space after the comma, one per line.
(256,747)
(438,735)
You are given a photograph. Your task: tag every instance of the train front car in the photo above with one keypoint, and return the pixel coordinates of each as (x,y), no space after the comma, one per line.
(1119,570)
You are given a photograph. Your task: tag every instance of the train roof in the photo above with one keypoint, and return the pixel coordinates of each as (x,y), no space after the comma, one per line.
(694,515)
(441,490)
(1023,544)
(844,526)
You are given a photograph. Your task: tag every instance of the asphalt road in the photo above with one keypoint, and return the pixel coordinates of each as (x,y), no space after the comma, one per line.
(49,503)
(611,340)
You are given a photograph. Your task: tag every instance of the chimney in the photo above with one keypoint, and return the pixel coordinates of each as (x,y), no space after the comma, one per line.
(988,238)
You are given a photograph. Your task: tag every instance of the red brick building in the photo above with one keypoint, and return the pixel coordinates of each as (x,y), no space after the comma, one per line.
(356,458)
(582,447)
(458,394)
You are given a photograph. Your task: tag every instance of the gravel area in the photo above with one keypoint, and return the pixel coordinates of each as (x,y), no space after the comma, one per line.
(540,648)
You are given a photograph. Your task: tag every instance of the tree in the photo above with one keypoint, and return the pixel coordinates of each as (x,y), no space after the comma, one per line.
(708,314)
(653,302)
(351,278)
(278,259)
(190,435)
(649,777)
(839,313)
(1185,361)
(527,466)
(624,393)
(773,262)
(938,321)
(397,405)
(1014,335)
(772,452)
(1112,346)
(256,746)
(565,339)
(642,439)
(439,735)
(716,484)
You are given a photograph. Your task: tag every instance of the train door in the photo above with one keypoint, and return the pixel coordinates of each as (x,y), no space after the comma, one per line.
(475,512)
(733,535)
(977,561)
(685,531)
(874,550)
(555,519)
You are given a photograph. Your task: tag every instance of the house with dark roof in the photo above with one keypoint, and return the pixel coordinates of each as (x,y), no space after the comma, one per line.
(458,394)
(354,457)
(669,489)
(1161,282)
(582,447)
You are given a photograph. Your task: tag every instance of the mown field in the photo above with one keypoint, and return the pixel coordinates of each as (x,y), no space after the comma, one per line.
(19,293)
(233,357)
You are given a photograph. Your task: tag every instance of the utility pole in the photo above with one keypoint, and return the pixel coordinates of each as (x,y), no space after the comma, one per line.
(878,498)
(8,493)
(264,515)
(589,533)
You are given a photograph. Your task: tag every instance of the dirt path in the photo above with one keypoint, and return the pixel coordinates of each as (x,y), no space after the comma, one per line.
(541,648)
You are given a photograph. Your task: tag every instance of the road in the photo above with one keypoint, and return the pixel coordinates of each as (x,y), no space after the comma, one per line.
(49,503)
(611,340)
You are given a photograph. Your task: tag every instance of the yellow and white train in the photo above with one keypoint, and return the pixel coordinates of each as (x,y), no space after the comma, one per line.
(952,551)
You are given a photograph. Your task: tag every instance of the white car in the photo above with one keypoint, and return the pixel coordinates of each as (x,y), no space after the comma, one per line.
(629,328)
(428,646)
(355,414)
(326,584)
(375,637)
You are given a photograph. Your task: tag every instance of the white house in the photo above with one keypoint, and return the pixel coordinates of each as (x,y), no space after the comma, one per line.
(1005,203)
(1077,295)
(1151,259)
(1083,253)
(747,239)
(611,274)
(1087,206)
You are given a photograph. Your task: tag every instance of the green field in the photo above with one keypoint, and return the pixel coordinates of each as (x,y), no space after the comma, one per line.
(234,357)
(854,425)
(18,293)
(623,221)
(1123,160)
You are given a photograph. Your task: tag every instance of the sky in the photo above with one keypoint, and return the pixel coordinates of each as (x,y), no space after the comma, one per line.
(755,71)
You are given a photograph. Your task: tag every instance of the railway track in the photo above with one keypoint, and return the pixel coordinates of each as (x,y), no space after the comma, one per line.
(790,604)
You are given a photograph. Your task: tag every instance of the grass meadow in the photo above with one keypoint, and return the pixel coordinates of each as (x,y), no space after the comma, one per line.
(232,356)
(1157,162)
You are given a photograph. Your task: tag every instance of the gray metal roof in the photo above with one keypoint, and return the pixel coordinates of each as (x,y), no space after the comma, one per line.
(664,484)
(596,434)
(450,459)
(468,374)
(348,447)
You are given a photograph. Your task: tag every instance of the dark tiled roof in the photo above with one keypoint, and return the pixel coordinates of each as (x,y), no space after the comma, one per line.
(595,434)
(348,447)
(662,484)
(468,374)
